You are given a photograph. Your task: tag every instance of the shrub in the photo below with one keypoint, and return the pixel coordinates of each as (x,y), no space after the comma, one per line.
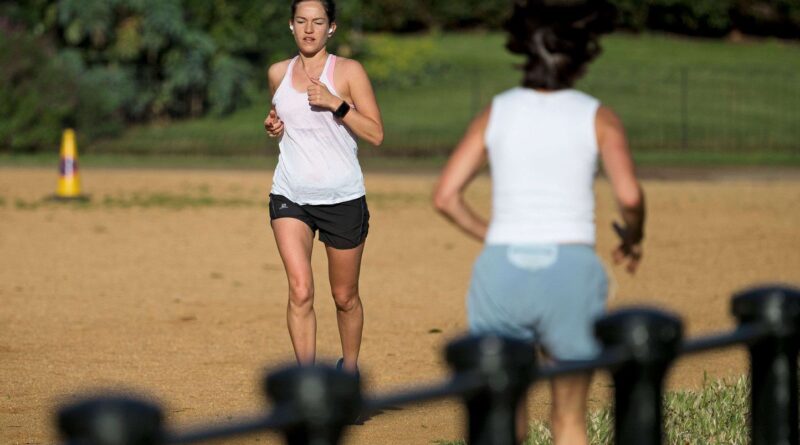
(395,61)
(33,102)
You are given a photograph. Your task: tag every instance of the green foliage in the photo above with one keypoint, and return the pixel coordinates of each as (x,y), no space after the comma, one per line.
(706,17)
(32,100)
(393,61)
(769,17)
(465,13)
(104,64)
(698,17)
(100,63)
(396,15)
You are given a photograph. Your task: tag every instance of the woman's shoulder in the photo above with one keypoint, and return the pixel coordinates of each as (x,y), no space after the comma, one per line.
(276,73)
(278,69)
(348,66)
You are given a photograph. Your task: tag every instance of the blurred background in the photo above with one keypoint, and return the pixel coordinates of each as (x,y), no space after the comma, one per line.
(694,80)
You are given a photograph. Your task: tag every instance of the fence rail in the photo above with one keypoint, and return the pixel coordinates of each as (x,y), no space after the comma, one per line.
(665,109)
(314,405)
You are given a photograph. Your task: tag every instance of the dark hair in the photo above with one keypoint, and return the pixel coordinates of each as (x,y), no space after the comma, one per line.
(558,37)
(329,5)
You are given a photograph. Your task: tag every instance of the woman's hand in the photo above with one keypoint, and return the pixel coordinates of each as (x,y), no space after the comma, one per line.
(273,124)
(320,96)
(629,249)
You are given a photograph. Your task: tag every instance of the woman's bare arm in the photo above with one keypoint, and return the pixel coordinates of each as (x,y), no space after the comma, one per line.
(364,119)
(619,168)
(273,123)
(465,162)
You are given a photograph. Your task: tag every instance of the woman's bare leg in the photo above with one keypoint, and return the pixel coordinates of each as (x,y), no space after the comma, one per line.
(568,415)
(295,241)
(344,268)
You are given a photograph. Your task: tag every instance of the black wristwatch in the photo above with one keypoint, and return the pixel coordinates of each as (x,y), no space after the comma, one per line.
(342,111)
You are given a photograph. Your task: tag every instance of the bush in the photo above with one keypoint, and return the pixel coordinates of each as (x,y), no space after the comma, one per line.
(43,91)
(775,17)
(398,62)
(35,95)
(697,17)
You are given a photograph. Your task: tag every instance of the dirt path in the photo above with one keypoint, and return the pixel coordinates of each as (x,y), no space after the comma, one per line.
(168,283)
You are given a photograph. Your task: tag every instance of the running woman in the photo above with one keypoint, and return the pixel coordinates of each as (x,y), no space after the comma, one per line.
(320,104)
(538,277)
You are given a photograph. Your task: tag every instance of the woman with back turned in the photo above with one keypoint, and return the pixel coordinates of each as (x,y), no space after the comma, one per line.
(320,104)
(538,277)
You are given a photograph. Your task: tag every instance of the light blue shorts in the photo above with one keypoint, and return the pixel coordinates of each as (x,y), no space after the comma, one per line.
(547,293)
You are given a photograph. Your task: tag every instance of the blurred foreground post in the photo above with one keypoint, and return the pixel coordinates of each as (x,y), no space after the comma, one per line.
(505,367)
(773,362)
(111,421)
(322,399)
(651,340)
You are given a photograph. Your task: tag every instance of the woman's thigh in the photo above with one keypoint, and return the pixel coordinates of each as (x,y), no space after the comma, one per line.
(295,243)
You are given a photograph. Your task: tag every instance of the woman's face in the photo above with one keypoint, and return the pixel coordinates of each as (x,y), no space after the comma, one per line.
(311,27)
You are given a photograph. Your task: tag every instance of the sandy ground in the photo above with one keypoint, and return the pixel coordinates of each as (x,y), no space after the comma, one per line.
(169,284)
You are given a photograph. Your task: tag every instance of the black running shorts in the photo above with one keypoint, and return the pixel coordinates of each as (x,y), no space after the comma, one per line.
(342,226)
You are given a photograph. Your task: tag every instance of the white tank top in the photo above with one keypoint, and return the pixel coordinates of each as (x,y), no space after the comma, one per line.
(318,161)
(542,151)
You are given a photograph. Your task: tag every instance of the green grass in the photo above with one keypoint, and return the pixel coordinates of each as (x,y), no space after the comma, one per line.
(716,413)
(706,99)
(167,200)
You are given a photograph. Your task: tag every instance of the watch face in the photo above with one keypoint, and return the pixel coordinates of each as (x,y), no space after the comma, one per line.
(342,110)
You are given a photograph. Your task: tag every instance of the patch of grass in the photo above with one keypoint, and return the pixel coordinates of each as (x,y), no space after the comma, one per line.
(144,160)
(716,413)
(371,160)
(677,158)
(2,201)
(21,204)
(166,200)
(24,204)
(173,201)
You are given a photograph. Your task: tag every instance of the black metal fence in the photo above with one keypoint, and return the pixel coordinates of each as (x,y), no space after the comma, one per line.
(314,405)
(669,108)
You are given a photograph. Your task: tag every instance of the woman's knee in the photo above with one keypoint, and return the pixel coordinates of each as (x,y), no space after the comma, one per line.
(345,297)
(301,295)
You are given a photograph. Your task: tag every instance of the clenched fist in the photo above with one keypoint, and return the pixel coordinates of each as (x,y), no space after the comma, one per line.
(320,96)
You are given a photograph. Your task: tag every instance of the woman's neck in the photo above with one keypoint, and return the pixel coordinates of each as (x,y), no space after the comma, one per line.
(315,58)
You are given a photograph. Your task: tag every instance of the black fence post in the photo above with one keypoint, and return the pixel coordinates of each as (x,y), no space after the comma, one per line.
(505,366)
(111,421)
(322,399)
(773,362)
(650,339)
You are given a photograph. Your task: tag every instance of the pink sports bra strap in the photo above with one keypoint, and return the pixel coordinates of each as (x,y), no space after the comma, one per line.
(331,66)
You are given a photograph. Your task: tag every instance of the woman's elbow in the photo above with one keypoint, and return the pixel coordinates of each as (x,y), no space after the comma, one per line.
(632,199)
(377,139)
(442,202)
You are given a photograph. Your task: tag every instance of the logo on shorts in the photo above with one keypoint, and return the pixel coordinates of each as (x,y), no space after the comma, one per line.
(283,206)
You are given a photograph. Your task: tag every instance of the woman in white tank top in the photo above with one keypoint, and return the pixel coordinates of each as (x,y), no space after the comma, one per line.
(538,277)
(320,105)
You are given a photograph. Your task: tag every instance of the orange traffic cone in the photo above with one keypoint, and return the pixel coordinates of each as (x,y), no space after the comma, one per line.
(69,182)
